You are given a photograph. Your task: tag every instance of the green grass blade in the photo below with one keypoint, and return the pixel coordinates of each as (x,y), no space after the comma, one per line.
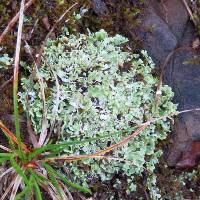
(19,170)
(4,159)
(8,155)
(52,176)
(71,184)
(38,193)
(74,185)
(41,179)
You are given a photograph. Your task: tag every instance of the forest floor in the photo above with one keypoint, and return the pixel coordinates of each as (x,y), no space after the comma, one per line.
(122,17)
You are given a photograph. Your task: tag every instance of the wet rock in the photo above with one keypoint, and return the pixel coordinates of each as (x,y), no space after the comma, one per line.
(174,14)
(185,81)
(166,28)
(157,37)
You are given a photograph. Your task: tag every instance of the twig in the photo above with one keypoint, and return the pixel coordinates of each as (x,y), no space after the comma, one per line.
(60,19)
(101,153)
(14,20)
(31,132)
(43,134)
(166,10)
(189,110)
(57,101)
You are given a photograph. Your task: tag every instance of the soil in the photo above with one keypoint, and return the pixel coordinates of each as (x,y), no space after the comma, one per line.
(160,27)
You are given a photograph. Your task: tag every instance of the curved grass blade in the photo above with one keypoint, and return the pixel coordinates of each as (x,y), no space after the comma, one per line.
(5,157)
(71,184)
(74,185)
(38,193)
(19,170)
(52,176)
(41,179)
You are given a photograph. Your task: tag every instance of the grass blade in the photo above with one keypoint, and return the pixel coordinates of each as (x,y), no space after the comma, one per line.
(19,170)
(71,184)
(52,176)
(16,75)
(74,185)
(38,193)
(7,155)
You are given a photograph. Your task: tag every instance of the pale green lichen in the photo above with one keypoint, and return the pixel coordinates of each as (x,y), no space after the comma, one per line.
(5,61)
(94,87)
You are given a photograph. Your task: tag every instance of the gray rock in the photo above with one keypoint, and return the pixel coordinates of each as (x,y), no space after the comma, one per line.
(175,15)
(170,29)
(185,81)
(157,38)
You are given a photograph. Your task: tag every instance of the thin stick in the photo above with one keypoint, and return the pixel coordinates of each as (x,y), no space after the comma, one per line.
(60,19)
(100,153)
(43,134)
(16,73)
(14,20)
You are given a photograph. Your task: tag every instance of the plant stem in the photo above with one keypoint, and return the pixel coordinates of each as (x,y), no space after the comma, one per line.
(16,74)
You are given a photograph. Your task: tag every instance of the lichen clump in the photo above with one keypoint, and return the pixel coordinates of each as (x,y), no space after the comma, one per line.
(96,86)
